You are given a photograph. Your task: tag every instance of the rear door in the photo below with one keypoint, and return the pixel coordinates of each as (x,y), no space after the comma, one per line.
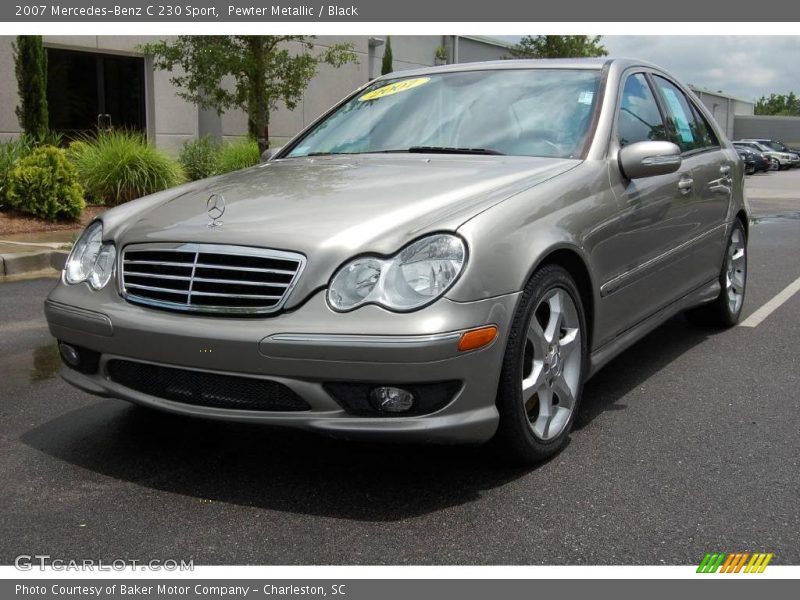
(709,168)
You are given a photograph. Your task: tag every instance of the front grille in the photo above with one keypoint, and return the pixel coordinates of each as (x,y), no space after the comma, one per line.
(199,388)
(209,278)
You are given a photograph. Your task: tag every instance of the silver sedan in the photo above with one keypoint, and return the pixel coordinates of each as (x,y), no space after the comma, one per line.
(445,256)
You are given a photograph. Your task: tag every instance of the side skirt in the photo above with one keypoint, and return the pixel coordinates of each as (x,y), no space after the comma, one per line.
(705,293)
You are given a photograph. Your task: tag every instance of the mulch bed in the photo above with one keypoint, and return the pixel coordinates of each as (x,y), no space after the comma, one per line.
(12,221)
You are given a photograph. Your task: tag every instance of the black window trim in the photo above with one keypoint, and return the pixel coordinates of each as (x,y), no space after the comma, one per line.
(651,75)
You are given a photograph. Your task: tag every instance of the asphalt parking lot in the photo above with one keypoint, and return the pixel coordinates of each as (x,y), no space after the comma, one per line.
(686,443)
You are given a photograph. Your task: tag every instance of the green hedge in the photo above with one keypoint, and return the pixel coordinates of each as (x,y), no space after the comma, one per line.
(45,184)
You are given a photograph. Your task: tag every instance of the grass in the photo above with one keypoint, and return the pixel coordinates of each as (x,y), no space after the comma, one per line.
(119,166)
(238,155)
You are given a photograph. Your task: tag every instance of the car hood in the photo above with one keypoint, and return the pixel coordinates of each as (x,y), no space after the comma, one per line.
(332,208)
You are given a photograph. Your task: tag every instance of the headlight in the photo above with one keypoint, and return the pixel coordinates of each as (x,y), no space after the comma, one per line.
(91,260)
(415,276)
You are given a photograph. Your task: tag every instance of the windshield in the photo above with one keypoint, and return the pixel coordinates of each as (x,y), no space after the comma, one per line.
(776,146)
(524,112)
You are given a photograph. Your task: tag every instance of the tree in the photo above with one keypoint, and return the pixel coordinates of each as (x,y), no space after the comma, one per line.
(787,105)
(263,71)
(558,46)
(30,66)
(386,63)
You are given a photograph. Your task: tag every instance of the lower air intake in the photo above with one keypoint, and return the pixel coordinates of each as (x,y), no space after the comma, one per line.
(205,389)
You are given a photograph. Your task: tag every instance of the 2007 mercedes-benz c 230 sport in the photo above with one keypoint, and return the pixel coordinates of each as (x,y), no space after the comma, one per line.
(446,255)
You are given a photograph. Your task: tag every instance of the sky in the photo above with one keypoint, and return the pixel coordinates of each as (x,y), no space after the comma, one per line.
(747,67)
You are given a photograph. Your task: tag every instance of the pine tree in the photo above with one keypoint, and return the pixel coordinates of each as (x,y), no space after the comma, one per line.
(386,64)
(30,66)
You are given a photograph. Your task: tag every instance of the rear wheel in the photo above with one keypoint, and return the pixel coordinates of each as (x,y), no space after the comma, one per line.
(543,368)
(727,308)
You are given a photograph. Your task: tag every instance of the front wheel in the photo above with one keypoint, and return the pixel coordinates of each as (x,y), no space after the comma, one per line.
(727,308)
(543,368)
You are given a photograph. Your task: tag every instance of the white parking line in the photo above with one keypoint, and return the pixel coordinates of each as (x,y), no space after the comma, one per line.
(762,313)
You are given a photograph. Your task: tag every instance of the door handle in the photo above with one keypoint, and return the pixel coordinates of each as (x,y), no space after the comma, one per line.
(685,184)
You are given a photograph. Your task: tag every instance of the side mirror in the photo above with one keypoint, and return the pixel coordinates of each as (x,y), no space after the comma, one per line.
(647,159)
(269,153)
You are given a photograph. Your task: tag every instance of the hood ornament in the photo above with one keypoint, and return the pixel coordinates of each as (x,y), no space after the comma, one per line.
(215,206)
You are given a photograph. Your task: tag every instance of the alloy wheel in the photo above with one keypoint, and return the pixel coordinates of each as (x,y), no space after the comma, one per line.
(551,364)
(735,271)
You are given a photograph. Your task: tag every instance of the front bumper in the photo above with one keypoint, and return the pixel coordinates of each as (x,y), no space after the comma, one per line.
(303,349)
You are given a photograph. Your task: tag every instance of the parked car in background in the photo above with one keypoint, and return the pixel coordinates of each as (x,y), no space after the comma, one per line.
(777,146)
(760,161)
(749,162)
(447,255)
(784,160)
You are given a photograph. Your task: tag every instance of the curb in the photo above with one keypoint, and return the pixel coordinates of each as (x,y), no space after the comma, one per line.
(25,262)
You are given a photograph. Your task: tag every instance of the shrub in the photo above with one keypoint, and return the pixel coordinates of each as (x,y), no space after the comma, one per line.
(119,166)
(238,155)
(45,184)
(200,157)
(11,152)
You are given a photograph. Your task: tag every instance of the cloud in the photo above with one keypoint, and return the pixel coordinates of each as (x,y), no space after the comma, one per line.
(745,66)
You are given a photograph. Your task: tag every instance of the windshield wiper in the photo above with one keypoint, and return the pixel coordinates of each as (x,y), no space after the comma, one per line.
(451,150)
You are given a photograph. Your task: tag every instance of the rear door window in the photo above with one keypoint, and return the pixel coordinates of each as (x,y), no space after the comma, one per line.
(686,127)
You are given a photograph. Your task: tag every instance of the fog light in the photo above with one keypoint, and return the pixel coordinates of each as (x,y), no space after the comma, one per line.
(69,354)
(392,399)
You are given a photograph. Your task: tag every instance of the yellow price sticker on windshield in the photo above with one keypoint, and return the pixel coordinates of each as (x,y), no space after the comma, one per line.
(394,88)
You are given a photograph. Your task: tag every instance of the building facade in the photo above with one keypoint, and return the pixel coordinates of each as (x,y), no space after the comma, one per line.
(784,129)
(101,81)
(724,108)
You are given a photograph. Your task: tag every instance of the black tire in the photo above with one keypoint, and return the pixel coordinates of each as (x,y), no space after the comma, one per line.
(515,437)
(719,313)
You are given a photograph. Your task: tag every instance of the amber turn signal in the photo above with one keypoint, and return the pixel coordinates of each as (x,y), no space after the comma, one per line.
(477,338)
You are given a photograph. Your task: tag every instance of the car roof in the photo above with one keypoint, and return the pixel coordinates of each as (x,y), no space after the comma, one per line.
(595,64)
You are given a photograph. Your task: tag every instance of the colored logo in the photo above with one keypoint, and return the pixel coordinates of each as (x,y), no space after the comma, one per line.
(736,562)
(394,88)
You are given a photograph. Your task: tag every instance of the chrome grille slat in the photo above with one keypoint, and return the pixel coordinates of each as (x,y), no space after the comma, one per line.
(157,276)
(260,282)
(238,282)
(157,289)
(156,262)
(251,269)
(221,295)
